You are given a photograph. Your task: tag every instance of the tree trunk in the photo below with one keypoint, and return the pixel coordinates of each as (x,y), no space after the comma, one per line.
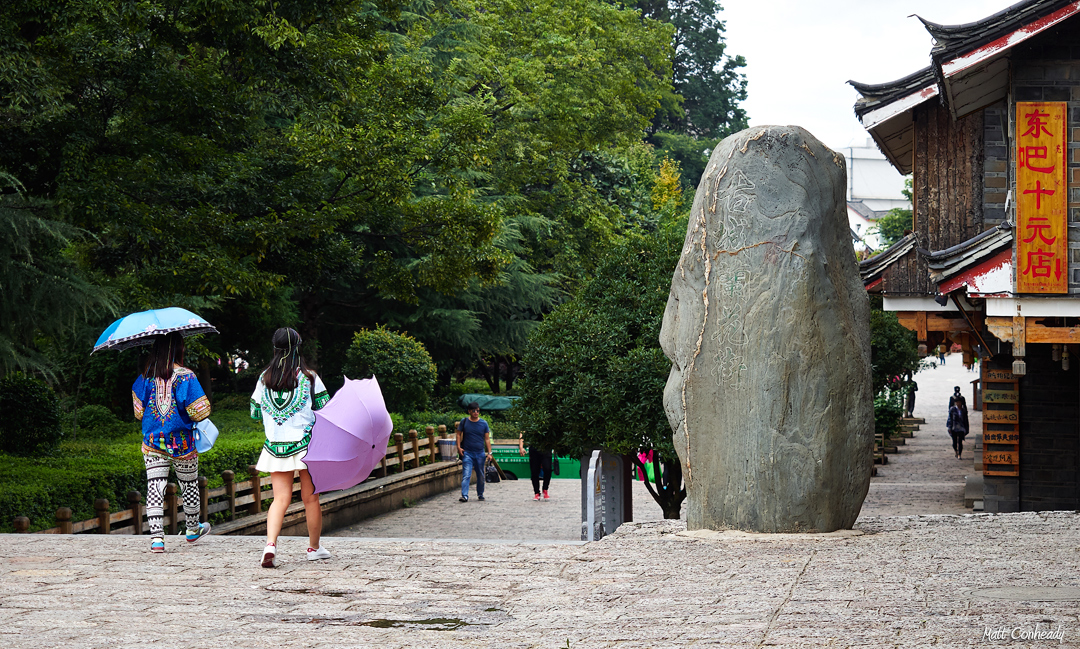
(204,380)
(310,312)
(493,384)
(511,372)
(495,373)
(666,487)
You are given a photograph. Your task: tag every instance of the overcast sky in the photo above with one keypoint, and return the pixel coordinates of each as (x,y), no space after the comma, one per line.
(800,54)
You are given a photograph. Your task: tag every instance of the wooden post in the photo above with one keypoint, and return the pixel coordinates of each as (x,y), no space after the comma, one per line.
(135,505)
(230,491)
(382,467)
(101,508)
(170,508)
(256,490)
(442,431)
(63,520)
(432,448)
(415,441)
(22,524)
(399,441)
(204,500)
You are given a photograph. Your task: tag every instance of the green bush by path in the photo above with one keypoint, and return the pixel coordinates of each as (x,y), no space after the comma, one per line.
(402,365)
(29,416)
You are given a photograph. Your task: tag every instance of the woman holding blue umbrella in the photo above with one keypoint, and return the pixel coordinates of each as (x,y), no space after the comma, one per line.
(168,400)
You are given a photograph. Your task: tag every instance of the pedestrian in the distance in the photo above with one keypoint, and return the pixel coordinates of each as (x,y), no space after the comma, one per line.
(540,465)
(474,448)
(168,400)
(941,354)
(913,387)
(285,398)
(957,423)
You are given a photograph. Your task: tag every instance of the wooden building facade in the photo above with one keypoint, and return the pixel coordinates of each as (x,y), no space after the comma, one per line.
(990,133)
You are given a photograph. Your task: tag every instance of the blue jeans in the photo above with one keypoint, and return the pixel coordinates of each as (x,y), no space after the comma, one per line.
(473,460)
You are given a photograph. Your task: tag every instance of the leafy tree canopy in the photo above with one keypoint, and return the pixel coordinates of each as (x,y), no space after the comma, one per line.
(594,370)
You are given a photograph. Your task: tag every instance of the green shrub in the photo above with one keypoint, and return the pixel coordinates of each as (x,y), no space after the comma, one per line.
(403,367)
(29,416)
(232,401)
(98,422)
(888,410)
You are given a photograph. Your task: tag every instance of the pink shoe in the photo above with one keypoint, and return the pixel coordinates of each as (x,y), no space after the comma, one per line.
(269,558)
(536,497)
(545,495)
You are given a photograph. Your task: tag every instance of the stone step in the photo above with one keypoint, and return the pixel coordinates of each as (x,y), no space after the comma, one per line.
(909,427)
(912,420)
(906,434)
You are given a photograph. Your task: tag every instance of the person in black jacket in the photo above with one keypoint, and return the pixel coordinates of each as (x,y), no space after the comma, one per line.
(957,424)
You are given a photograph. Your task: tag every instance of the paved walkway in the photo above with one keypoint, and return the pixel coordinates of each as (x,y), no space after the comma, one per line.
(925,477)
(918,581)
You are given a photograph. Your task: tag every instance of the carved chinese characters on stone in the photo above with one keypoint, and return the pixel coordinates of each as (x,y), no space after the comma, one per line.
(767,328)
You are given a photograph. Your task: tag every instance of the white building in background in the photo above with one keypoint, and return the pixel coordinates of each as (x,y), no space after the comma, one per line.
(874,187)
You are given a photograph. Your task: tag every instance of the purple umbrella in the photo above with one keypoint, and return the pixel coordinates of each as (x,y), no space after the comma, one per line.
(349,437)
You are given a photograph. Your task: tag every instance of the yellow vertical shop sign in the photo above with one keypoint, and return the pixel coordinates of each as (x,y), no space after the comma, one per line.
(1041,198)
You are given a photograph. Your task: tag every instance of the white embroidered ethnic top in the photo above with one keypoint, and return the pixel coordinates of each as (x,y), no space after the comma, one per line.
(288,416)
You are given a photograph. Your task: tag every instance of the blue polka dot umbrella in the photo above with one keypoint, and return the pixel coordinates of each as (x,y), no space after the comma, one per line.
(141,328)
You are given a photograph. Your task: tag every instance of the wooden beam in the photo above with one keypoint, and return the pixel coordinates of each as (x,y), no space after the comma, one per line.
(930,322)
(1039,333)
(1001,327)
(920,325)
(1019,335)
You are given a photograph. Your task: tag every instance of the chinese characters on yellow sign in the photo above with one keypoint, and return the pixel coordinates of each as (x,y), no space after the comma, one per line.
(1041,198)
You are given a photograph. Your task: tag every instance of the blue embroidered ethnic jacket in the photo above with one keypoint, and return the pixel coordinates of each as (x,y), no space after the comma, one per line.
(168,411)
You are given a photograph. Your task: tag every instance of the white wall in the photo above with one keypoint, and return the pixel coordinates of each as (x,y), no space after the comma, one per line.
(873,180)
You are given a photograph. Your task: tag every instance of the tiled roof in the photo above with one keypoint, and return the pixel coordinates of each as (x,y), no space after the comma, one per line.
(951,41)
(872,268)
(943,264)
(880,94)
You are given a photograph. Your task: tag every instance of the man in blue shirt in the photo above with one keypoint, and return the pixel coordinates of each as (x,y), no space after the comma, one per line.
(474,447)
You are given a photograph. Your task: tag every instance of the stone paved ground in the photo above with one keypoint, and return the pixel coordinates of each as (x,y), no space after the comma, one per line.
(908,577)
(917,581)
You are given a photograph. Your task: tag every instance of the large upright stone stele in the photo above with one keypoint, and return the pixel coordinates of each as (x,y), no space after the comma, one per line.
(767,328)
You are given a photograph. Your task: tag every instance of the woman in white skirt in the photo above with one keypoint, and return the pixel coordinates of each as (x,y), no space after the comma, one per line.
(285,398)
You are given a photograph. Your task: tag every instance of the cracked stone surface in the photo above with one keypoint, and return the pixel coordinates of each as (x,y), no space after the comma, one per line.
(910,581)
(769,395)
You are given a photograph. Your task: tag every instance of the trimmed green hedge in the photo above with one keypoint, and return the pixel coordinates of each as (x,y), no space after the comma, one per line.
(83,471)
(110,466)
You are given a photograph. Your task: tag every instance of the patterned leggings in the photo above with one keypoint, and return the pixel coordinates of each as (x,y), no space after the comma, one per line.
(157,474)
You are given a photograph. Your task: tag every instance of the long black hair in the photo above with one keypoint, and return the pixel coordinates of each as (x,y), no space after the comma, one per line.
(280,374)
(167,349)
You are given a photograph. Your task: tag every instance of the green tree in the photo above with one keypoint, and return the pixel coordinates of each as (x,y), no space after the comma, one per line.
(897,222)
(707,82)
(403,367)
(594,370)
(228,150)
(42,292)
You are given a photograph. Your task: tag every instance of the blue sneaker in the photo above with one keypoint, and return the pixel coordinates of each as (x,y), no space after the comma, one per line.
(479,497)
(202,530)
(157,545)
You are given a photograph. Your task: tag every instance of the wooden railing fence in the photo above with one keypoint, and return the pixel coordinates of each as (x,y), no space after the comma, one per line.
(233,499)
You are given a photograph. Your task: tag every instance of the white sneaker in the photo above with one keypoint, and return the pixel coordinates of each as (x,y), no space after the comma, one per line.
(269,557)
(315,555)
